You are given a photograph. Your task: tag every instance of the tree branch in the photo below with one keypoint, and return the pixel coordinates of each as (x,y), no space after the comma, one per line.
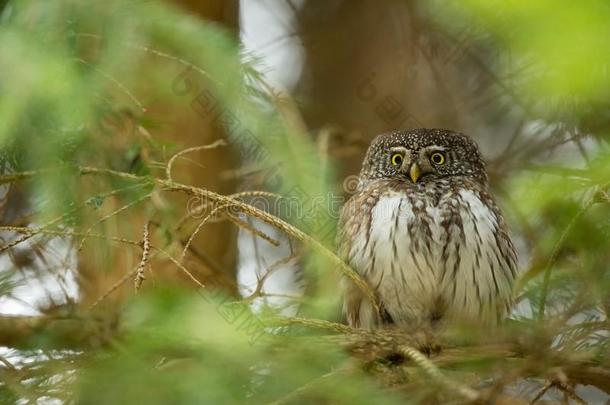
(39,332)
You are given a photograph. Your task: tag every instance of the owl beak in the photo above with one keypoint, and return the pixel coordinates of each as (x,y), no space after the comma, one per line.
(414,172)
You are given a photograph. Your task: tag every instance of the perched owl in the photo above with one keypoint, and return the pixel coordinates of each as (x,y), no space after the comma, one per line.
(424,232)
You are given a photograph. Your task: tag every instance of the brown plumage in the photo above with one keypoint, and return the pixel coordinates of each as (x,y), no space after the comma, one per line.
(425,233)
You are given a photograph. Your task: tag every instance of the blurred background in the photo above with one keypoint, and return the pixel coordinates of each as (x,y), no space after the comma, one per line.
(172,173)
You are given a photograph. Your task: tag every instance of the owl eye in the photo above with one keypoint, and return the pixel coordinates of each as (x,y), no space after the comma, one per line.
(396,159)
(437,158)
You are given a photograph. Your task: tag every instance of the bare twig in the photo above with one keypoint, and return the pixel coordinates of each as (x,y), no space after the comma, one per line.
(293,396)
(555,253)
(429,368)
(170,163)
(199,226)
(543,391)
(110,215)
(7,363)
(120,85)
(253,230)
(260,282)
(113,288)
(161,54)
(54,221)
(144,261)
(569,391)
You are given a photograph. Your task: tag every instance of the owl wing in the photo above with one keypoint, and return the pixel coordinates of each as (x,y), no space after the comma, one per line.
(357,310)
(481,260)
(507,257)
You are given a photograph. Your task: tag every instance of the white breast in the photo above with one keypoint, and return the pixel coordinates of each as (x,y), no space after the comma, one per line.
(423,257)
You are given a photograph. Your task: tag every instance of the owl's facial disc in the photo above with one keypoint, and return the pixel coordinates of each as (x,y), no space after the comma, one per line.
(423,156)
(416,164)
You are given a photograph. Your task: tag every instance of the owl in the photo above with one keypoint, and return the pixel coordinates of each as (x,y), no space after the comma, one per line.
(424,232)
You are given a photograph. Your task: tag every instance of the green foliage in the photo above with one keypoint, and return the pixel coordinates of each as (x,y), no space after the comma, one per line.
(554,55)
(78,82)
(181,348)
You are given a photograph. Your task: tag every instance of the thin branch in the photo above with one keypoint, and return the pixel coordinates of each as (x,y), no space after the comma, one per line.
(569,391)
(196,231)
(429,368)
(260,282)
(144,261)
(253,230)
(313,323)
(170,163)
(7,363)
(113,288)
(120,85)
(23,332)
(292,396)
(543,391)
(555,253)
(110,215)
(52,222)
(110,238)
(181,61)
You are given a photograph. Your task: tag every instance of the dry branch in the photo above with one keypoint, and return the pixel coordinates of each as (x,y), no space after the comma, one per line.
(40,332)
(170,163)
(220,199)
(144,261)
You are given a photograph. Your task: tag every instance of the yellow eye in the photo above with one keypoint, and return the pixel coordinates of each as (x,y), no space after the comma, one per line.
(396,159)
(437,158)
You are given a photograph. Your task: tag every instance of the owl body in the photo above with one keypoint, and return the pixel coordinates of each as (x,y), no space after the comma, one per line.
(432,245)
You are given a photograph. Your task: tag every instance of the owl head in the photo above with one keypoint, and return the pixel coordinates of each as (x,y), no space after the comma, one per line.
(423,156)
